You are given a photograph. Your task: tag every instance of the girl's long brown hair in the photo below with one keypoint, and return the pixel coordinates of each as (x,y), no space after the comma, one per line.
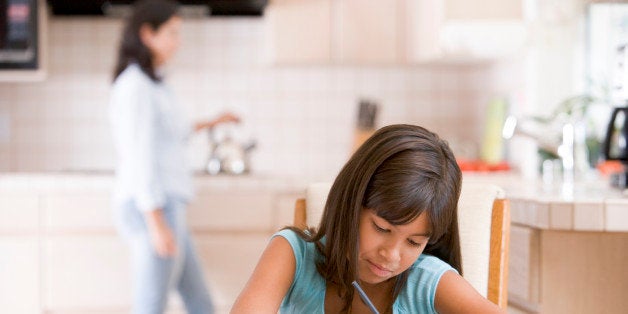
(400,172)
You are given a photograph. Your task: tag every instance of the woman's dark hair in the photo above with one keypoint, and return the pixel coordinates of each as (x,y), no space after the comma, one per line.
(153,13)
(400,172)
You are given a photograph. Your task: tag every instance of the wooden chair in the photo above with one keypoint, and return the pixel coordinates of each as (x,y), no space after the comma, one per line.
(484,223)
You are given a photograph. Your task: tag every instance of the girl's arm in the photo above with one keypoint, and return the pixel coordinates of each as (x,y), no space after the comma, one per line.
(455,295)
(270,281)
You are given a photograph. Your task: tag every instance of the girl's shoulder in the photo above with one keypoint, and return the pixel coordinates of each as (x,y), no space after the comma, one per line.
(428,268)
(300,247)
(307,291)
(419,292)
(429,262)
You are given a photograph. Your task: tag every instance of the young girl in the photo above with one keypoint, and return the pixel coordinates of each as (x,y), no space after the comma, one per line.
(390,223)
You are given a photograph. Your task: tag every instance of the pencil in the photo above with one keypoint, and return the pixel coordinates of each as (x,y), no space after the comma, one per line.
(364,297)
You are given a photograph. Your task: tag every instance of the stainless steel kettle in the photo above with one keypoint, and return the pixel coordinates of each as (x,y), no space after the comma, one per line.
(228,155)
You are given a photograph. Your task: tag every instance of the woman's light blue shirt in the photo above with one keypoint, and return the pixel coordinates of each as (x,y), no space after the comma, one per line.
(307,292)
(150,139)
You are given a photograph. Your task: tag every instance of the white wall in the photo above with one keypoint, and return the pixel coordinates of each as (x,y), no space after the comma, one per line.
(302,116)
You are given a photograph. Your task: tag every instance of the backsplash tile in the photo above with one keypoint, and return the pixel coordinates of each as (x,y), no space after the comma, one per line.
(302,117)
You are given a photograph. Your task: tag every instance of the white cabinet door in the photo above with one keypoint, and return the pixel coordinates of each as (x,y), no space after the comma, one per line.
(298,31)
(423,19)
(228,261)
(247,210)
(20,275)
(19,213)
(86,272)
(461,31)
(78,211)
(486,9)
(367,31)
(325,31)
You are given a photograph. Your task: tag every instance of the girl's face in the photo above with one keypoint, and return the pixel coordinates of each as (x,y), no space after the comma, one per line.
(164,41)
(386,250)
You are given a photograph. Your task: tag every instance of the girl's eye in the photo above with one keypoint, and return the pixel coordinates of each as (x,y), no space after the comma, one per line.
(379,229)
(414,243)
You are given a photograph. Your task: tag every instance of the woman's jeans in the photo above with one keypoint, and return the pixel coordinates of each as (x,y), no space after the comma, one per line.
(154,276)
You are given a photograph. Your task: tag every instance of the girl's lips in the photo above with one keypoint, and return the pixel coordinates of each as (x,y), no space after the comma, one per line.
(378,270)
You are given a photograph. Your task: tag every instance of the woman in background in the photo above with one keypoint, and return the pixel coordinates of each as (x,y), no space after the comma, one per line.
(153,181)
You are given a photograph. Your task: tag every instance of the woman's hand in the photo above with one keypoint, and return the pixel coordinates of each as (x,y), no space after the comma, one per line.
(161,235)
(223,118)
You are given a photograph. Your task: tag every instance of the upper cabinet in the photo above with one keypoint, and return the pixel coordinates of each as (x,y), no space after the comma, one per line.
(299,31)
(366,31)
(392,31)
(469,30)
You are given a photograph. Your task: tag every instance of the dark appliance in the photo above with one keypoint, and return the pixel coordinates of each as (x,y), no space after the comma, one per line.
(18,34)
(211,7)
(616,144)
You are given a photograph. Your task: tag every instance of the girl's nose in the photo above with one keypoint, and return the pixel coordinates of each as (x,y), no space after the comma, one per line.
(390,252)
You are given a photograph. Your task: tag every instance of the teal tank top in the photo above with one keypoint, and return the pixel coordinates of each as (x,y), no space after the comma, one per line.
(307,291)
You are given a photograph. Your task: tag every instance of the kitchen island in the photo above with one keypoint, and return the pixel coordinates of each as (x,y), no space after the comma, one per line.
(568,247)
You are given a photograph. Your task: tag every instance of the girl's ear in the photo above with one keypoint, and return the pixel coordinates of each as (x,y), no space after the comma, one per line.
(146,35)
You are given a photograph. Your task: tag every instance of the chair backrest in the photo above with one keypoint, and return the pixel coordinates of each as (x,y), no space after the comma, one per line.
(484,224)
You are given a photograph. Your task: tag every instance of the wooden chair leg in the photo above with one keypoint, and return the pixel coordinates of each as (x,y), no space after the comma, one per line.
(300,217)
(498,263)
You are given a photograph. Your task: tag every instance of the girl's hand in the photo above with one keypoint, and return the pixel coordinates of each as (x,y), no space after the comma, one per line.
(161,235)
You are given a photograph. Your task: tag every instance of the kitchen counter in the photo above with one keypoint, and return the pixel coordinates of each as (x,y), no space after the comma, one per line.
(567,245)
(588,206)
(591,205)
(104,180)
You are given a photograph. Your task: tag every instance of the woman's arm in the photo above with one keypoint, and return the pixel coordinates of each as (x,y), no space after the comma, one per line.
(455,295)
(270,280)
(223,118)
(160,233)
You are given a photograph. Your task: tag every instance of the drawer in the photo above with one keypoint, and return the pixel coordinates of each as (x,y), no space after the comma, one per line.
(20,273)
(20,213)
(233,211)
(86,272)
(81,211)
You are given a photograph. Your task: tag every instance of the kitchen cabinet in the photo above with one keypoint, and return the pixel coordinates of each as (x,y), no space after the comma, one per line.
(392,32)
(467,30)
(61,253)
(20,254)
(339,31)
(299,31)
(367,31)
(20,273)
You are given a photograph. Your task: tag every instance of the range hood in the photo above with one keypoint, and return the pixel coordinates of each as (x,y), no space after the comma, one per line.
(191,7)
